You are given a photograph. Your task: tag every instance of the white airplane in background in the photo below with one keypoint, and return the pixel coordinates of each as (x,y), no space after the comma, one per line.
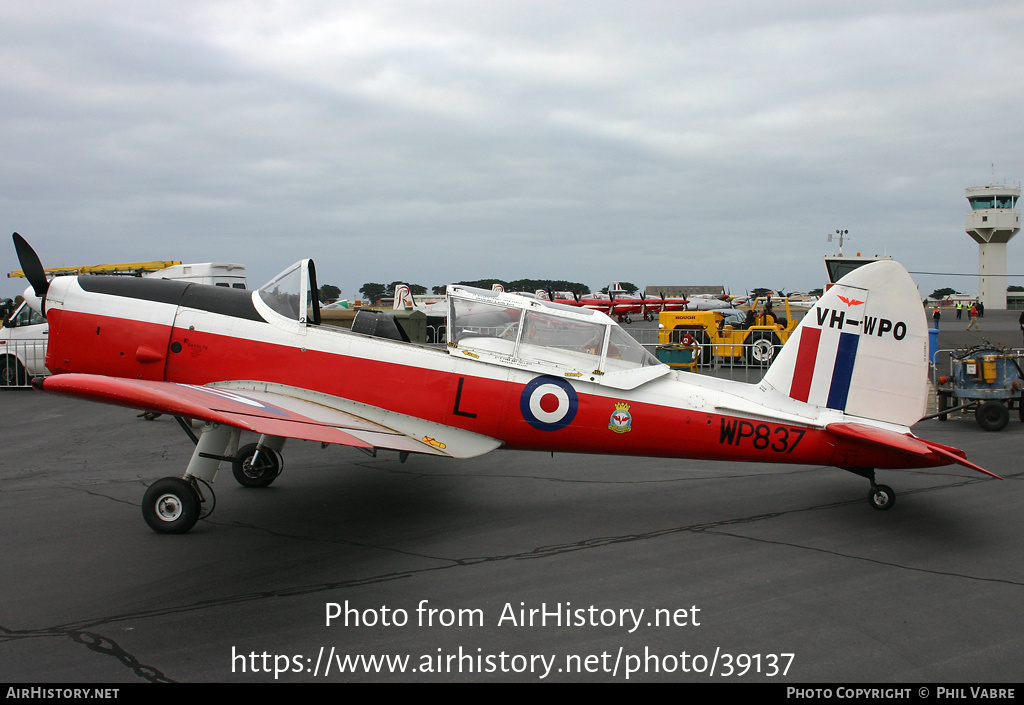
(706,302)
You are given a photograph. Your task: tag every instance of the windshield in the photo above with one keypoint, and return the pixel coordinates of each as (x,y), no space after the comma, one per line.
(624,352)
(26,316)
(292,293)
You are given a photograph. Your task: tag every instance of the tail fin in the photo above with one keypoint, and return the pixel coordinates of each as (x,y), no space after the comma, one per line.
(861,349)
(403,297)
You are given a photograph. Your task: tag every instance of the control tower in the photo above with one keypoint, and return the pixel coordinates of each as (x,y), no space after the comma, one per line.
(992,222)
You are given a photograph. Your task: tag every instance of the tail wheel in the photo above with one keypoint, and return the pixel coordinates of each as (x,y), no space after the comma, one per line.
(881,497)
(259,474)
(171,506)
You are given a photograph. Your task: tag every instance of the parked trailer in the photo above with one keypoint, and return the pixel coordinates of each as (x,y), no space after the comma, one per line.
(986,378)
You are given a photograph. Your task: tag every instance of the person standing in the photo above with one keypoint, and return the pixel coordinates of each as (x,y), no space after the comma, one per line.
(973,314)
(936,315)
(959,309)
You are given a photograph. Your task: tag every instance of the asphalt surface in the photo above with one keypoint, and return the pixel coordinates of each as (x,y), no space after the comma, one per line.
(767,573)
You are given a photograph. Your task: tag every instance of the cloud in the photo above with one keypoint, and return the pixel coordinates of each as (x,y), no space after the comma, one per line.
(660,142)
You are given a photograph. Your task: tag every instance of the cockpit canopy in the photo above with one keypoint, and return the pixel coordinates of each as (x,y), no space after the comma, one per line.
(503,329)
(293,287)
(545,336)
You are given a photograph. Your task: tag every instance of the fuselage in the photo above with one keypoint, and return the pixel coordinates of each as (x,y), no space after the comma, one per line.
(202,335)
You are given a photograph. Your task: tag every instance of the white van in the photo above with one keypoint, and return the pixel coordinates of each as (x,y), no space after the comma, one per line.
(23,335)
(216,273)
(22,347)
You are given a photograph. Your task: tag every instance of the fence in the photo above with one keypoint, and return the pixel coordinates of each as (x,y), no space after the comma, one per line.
(736,362)
(20,360)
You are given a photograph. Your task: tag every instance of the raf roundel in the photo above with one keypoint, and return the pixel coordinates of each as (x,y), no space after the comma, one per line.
(548,403)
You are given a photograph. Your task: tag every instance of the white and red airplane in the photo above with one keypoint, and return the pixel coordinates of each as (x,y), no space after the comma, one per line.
(618,304)
(515,373)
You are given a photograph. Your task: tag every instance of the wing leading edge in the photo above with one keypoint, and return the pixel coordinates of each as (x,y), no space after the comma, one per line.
(277,411)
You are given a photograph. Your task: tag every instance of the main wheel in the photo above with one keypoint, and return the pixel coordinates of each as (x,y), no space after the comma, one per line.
(171,506)
(992,416)
(264,472)
(881,497)
(12,372)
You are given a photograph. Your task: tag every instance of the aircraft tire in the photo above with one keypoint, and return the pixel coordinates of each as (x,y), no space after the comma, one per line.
(992,416)
(881,497)
(265,472)
(171,506)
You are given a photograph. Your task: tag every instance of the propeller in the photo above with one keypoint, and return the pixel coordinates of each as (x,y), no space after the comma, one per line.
(31,266)
(644,307)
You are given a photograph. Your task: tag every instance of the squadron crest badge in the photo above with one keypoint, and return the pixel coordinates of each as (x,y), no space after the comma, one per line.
(621,420)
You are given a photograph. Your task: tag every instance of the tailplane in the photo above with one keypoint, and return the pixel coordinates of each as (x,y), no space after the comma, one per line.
(862,349)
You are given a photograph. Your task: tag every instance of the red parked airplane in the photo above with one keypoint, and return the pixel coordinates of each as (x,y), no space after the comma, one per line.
(515,372)
(620,305)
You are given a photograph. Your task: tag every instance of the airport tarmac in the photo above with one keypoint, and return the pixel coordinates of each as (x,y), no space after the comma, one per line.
(513,566)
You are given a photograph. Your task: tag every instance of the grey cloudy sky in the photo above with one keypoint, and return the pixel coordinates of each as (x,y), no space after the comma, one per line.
(651,142)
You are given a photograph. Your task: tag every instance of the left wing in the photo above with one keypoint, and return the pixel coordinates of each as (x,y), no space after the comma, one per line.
(277,410)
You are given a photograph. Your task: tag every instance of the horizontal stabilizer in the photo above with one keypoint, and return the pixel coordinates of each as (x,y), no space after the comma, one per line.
(904,442)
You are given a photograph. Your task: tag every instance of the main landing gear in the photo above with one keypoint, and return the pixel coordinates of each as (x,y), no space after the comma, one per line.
(880,497)
(256,466)
(173,505)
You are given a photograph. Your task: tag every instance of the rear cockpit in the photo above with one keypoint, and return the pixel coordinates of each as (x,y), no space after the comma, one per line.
(542,336)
